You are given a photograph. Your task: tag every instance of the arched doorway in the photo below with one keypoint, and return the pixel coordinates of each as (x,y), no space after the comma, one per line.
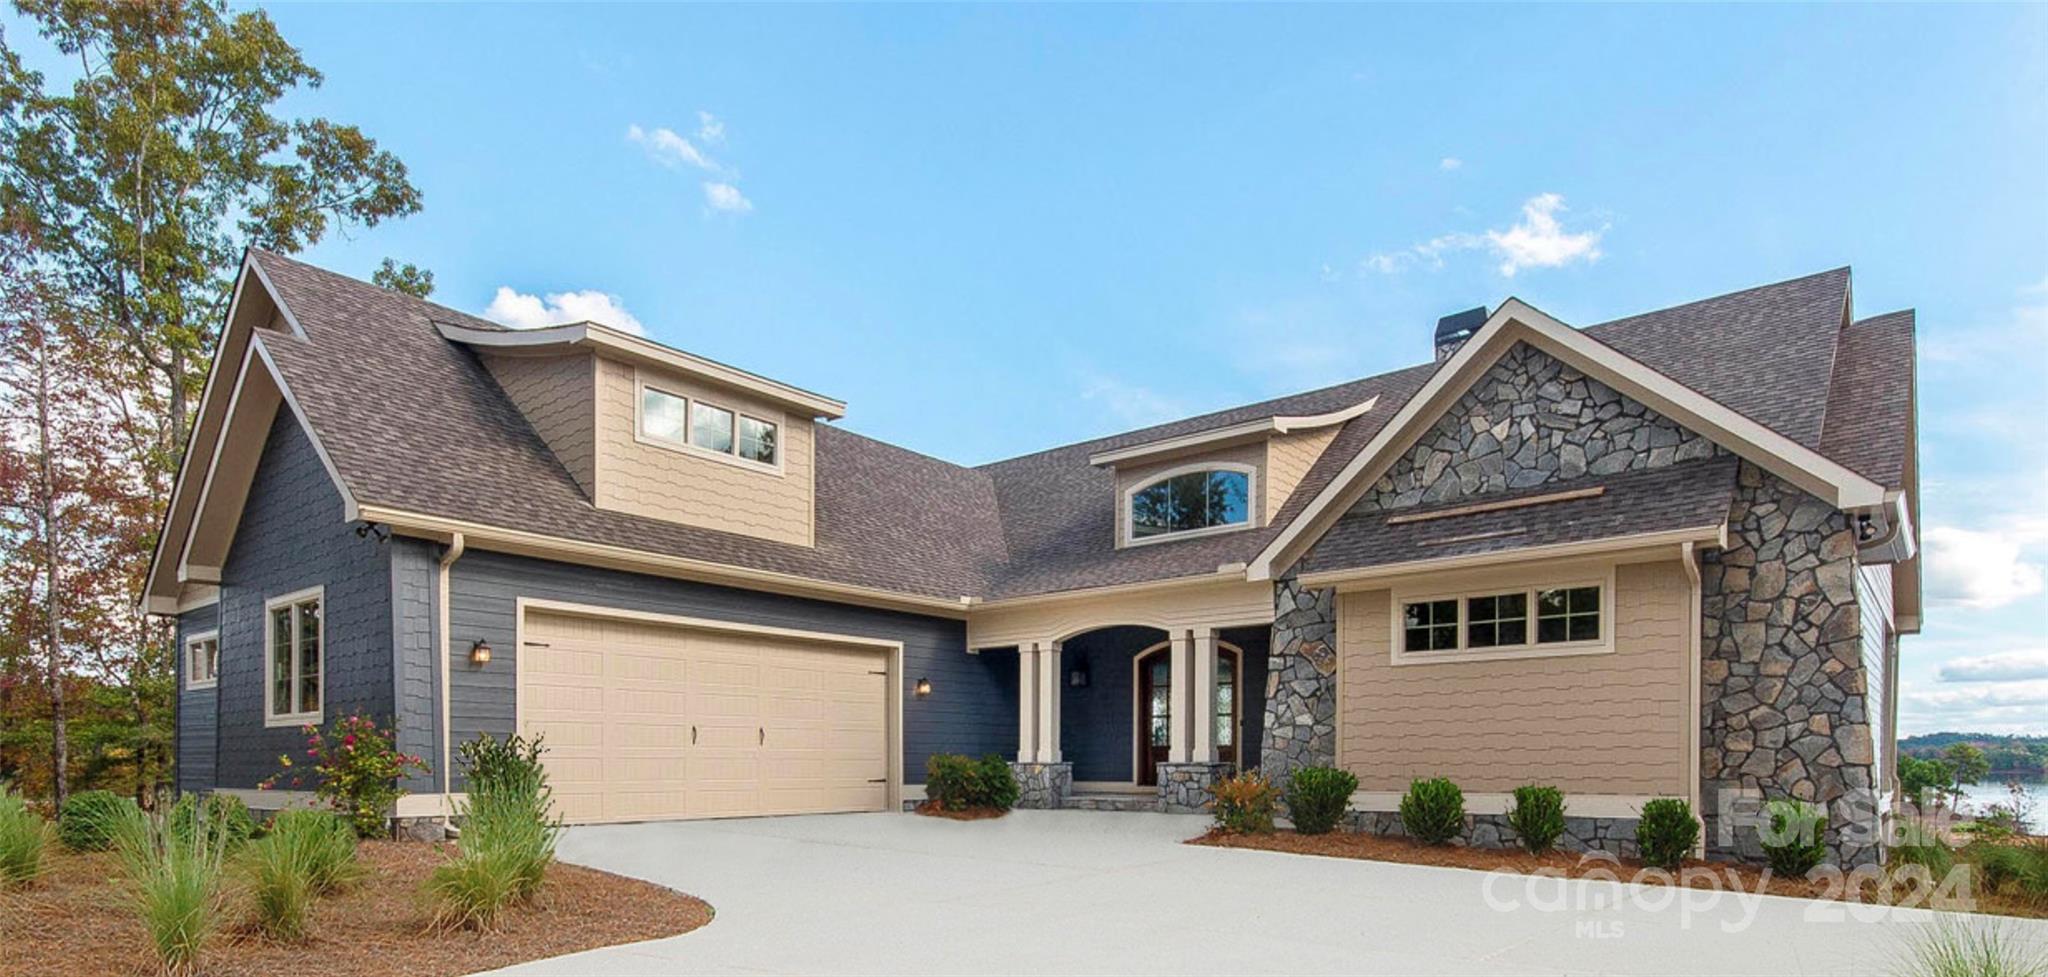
(1152,708)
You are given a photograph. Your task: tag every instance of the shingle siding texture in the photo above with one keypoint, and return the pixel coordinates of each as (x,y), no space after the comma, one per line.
(1289,459)
(292,537)
(415,569)
(558,396)
(1589,724)
(972,708)
(198,710)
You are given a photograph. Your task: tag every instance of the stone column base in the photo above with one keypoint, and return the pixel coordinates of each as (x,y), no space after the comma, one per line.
(1043,786)
(1190,788)
(418,829)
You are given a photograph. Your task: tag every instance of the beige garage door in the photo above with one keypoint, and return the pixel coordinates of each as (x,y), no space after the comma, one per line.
(647,720)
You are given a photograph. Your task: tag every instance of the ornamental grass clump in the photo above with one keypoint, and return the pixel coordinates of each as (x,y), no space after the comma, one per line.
(508,835)
(87,816)
(1317,798)
(1919,844)
(1537,817)
(1793,845)
(304,854)
(173,880)
(1666,832)
(1245,804)
(24,838)
(1958,946)
(1433,811)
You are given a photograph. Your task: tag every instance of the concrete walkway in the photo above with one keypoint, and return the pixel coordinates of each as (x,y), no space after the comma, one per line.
(1077,892)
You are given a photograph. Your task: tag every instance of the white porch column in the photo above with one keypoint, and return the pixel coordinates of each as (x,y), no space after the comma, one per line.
(1181,655)
(1027,706)
(1049,702)
(1202,713)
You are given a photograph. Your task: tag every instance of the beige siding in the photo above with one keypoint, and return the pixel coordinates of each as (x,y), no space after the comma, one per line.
(1288,459)
(1591,724)
(1253,455)
(556,394)
(1226,603)
(686,487)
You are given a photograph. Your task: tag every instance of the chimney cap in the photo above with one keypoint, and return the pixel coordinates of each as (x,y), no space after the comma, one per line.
(1459,326)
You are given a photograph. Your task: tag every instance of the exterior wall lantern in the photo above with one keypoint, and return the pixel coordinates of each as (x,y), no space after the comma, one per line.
(480,653)
(924,687)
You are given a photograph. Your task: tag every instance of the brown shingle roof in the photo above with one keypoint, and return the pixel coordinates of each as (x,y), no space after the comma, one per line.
(1870,400)
(393,401)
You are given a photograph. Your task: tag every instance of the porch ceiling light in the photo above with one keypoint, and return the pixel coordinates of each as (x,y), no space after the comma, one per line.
(924,687)
(480,653)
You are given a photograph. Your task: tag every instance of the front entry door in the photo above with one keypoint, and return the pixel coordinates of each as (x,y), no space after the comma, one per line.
(1155,710)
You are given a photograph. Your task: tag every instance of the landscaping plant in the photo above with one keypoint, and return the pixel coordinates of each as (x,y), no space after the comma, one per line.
(174,881)
(1246,803)
(1921,845)
(24,837)
(221,813)
(508,835)
(84,821)
(354,767)
(1317,798)
(1793,845)
(1433,811)
(1957,946)
(1666,832)
(304,854)
(959,783)
(1537,817)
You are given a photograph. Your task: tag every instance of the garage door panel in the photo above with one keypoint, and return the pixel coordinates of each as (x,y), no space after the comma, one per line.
(647,721)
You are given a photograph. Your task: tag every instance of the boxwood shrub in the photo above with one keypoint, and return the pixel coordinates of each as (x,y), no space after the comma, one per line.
(1537,817)
(958,783)
(1666,832)
(1317,798)
(1433,811)
(1793,845)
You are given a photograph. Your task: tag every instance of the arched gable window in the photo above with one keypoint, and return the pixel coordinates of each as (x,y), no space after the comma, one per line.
(1212,497)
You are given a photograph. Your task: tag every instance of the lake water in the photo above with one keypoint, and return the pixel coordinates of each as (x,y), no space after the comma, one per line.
(1992,791)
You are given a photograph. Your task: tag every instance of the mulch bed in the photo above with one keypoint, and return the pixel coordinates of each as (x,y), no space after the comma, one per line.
(1693,873)
(72,921)
(933,809)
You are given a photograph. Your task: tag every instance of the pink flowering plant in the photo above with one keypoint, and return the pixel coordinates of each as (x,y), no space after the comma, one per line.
(354,766)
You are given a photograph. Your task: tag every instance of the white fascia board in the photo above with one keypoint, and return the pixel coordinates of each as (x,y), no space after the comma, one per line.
(1516,321)
(1247,430)
(598,335)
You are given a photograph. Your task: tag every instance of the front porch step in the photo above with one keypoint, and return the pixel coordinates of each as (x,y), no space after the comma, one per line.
(1113,802)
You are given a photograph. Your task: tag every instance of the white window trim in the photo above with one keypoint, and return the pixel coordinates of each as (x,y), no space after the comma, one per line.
(313,716)
(1528,584)
(1251,503)
(193,684)
(641,384)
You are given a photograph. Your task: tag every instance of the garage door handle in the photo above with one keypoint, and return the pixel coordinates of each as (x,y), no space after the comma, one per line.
(693,736)
(764,735)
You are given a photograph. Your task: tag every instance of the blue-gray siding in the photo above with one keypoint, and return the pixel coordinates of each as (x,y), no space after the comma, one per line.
(1098,720)
(415,575)
(198,711)
(972,708)
(292,537)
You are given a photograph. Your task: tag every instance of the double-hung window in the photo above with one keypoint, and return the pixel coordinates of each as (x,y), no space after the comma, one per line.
(202,660)
(294,660)
(1503,622)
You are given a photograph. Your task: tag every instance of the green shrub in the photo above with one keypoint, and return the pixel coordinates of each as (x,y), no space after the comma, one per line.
(509,765)
(1537,817)
(1433,811)
(1317,798)
(304,854)
(1795,843)
(958,783)
(85,821)
(1246,803)
(355,767)
(173,880)
(508,835)
(24,837)
(1666,832)
(223,813)
(1920,845)
(1956,946)
(2019,869)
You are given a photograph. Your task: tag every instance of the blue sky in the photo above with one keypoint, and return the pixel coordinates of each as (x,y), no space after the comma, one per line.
(994,229)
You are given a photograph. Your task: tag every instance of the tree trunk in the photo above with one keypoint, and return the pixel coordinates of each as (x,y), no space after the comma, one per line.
(179,421)
(60,752)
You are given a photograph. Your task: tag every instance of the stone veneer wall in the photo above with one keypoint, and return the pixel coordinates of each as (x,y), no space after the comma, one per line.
(1782,679)
(1531,419)
(1043,786)
(1190,788)
(1616,836)
(1301,682)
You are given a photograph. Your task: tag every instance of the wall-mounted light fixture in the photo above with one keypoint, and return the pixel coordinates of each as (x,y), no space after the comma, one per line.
(924,687)
(1078,677)
(480,653)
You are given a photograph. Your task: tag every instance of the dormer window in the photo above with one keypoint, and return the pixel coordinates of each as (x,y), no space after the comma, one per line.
(675,421)
(1190,501)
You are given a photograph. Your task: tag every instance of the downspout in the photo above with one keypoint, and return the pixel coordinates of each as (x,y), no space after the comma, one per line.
(441,670)
(1690,558)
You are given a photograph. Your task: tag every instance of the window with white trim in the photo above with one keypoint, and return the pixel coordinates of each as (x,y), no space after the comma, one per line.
(202,660)
(294,636)
(1501,620)
(679,421)
(662,415)
(1191,501)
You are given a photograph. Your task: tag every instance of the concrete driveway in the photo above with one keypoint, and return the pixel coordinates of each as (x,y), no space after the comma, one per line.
(1076,892)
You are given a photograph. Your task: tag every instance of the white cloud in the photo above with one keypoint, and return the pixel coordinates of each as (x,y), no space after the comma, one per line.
(1979,569)
(2011,707)
(1538,240)
(726,197)
(2007,666)
(670,149)
(522,311)
(710,128)
(1449,163)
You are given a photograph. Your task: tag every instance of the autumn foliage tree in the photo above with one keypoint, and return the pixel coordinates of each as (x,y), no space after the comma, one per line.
(130,185)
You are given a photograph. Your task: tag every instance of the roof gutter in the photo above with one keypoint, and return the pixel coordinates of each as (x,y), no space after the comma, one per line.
(1230,433)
